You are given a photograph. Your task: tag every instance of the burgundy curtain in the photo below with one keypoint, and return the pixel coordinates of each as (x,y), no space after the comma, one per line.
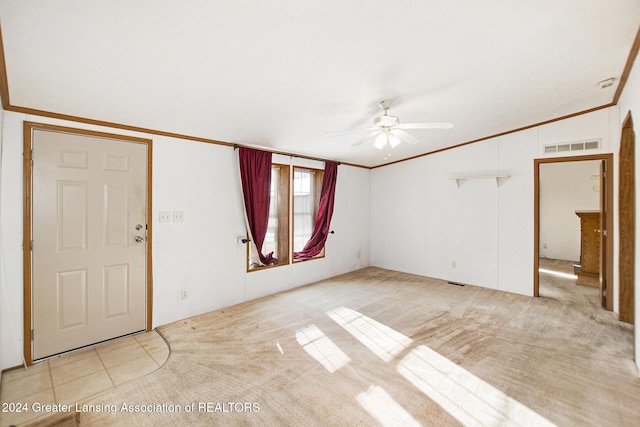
(255,171)
(325,211)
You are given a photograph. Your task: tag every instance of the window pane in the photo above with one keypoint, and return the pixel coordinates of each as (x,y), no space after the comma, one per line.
(304,206)
(271,239)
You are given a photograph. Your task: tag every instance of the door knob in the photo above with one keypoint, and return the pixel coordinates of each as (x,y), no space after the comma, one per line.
(139,239)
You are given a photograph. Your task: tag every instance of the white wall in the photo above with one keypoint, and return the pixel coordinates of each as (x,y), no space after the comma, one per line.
(564,189)
(463,222)
(11,235)
(515,217)
(200,255)
(630,102)
(422,222)
(398,223)
(4,302)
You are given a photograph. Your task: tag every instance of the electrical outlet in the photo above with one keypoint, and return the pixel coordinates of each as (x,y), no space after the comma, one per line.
(453,264)
(544,246)
(178,216)
(183,294)
(165,216)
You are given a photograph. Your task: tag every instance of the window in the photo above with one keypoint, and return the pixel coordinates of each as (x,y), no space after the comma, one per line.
(277,238)
(293,209)
(307,185)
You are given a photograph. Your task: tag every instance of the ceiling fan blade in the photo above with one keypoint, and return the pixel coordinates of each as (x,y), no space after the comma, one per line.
(406,137)
(348,131)
(361,141)
(430,125)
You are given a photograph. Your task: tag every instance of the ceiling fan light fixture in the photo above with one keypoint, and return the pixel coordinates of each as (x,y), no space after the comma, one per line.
(394,140)
(381,141)
(388,130)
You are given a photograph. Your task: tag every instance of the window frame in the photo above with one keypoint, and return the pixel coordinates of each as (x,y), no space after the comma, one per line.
(286,215)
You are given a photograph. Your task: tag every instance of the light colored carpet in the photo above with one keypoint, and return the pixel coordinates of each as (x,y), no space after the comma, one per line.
(376,347)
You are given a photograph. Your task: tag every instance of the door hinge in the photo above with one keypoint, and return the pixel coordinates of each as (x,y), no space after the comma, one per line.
(32,335)
(604,232)
(31,244)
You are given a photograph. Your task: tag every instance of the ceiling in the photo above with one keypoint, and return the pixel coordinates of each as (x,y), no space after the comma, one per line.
(281,74)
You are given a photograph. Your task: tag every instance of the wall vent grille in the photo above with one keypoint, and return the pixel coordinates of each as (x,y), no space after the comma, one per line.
(591,144)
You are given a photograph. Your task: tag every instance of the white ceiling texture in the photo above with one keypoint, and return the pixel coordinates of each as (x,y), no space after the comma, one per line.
(281,74)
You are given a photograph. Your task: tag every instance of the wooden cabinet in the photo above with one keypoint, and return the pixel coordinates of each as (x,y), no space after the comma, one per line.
(588,271)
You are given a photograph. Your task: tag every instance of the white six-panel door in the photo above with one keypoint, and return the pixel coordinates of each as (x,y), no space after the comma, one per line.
(89,210)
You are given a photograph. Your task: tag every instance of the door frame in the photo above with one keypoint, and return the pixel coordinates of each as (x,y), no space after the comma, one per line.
(28,128)
(608,195)
(626,222)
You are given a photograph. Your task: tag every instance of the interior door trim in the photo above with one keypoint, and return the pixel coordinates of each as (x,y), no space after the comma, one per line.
(28,128)
(608,193)
(626,222)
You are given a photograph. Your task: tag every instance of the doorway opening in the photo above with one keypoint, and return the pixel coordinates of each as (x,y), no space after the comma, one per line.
(599,251)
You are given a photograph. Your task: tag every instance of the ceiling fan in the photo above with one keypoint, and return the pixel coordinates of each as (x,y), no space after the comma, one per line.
(388,130)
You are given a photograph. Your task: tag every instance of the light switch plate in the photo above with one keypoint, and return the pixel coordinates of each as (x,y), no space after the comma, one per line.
(165,216)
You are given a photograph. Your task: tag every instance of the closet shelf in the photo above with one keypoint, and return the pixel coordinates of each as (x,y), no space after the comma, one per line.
(459,179)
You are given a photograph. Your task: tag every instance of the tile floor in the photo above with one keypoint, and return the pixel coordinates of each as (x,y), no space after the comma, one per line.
(72,377)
